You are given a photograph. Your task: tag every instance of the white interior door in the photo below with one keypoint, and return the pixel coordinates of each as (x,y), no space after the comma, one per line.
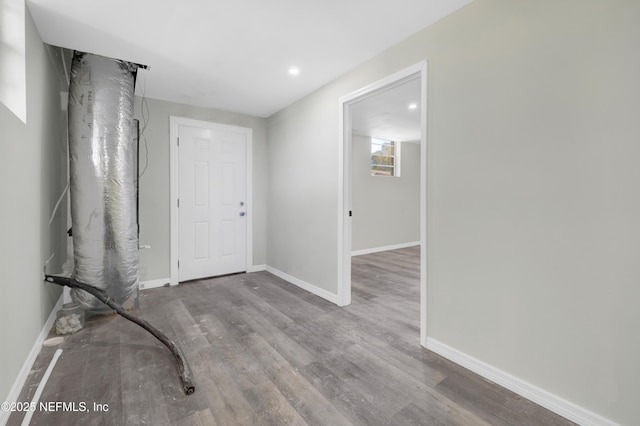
(212,191)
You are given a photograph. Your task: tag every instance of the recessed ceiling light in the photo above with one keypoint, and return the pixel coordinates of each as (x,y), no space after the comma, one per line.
(413,106)
(294,71)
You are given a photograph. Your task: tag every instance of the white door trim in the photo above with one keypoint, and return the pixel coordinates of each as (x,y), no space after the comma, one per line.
(419,70)
(174,123)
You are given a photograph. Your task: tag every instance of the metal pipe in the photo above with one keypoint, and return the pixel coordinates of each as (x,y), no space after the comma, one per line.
(102,178)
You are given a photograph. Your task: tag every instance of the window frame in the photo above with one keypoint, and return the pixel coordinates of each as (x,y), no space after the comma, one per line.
(395,167)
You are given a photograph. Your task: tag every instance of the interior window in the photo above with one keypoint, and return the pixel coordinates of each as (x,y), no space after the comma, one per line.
(385,157)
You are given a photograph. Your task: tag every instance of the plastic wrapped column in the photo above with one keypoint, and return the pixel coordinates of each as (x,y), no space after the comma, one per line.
(102,172)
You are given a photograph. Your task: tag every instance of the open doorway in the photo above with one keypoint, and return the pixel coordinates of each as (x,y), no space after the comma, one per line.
(369,113)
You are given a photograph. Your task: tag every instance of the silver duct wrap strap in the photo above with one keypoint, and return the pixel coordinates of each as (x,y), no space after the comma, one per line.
(102,170)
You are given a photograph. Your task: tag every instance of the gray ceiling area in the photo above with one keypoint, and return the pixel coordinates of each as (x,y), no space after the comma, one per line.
(235,55)
(393,114)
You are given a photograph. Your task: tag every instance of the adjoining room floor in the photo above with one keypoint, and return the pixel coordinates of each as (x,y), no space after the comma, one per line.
(264,351)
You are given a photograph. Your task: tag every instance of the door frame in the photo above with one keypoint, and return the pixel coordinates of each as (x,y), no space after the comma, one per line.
(419,70)
(174,124)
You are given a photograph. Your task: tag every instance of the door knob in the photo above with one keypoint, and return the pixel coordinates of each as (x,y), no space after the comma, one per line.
(242,213)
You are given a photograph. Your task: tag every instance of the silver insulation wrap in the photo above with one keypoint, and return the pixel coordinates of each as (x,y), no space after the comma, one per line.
(102,172)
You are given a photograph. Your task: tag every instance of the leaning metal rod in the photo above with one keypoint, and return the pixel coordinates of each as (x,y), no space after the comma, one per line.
(184,372)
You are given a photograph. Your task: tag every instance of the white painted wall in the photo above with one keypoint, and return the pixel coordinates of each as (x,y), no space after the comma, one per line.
(32,177)
(154,184)
(533,183)
(386,210)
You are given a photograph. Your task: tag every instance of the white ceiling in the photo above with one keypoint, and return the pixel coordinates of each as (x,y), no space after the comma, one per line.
(386,115)
(235,55)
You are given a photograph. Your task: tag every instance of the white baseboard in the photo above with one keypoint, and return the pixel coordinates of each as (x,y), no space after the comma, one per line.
(161,282)
(384,248)
(14,393)
(256,268)
(331,297)
(552,402)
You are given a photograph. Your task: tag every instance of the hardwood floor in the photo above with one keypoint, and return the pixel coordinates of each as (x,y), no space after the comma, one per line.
(264,351)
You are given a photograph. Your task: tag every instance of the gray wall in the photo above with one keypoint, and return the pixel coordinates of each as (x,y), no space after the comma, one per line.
(386,210)
(154,184)
(32,177)
(533,183)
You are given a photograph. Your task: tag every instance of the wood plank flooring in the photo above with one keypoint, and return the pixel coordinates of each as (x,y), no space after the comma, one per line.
(266,352)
